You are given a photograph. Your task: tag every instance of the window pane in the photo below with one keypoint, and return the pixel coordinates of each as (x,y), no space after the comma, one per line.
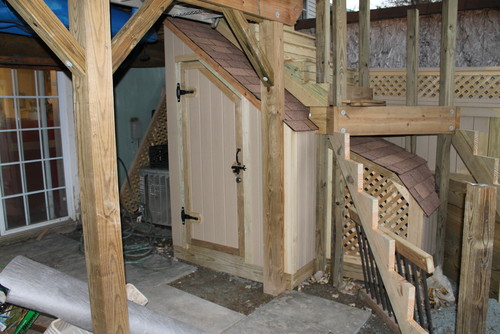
(14,208)
(51,112)
(60,205)
(55,145)
(34,176)
(9,150)
(7,114)
(5,82)
(38,209)
(28,111)
(11,177)
(26,82)
(56,168)
(31,145)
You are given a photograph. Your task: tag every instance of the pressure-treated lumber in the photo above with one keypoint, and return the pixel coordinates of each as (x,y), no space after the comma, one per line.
(364,43)
(477,254)
(484,169)
(446,94)
(412,59)
(321,202)
(337,235)
(135,28)
(401,292)
(51,30)
(323,41)
(387,120)
(273,111)
(247,40)
(339,36)
(95,127)
(282,11)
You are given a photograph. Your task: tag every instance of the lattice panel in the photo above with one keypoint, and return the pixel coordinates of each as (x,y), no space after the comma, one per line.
(478,86)
(393,208)
(157,134)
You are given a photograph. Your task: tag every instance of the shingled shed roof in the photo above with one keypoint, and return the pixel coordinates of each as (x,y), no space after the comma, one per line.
(234,61)
(411,169)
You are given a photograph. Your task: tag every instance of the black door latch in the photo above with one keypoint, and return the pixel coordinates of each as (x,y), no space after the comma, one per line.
(179,92)
(185,216)
(238,167)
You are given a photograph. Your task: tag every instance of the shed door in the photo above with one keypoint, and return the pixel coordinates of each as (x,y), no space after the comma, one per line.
(212,136)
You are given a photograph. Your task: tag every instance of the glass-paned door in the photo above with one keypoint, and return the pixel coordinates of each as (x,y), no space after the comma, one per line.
(32,182)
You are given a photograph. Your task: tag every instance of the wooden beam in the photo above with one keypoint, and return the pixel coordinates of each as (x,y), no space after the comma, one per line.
(135,28)
(51,30)
(387,120)
(477,254)
(364,43)
(273,113)
(446,94)
(321,202)
(245,36)
(284,11)
(97,167)
(412,59)
(323,40)
(337,235)
(339,36)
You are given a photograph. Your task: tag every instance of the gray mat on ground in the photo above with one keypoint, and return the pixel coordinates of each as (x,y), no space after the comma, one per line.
(36,286)
(296,312)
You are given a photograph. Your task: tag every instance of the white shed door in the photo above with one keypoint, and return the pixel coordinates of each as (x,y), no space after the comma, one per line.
(212,138)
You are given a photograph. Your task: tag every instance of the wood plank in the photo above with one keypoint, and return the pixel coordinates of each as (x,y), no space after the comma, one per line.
(284,11)
(135,28)
(386,120)
(97,167)
(477,253)
(494,137)
(337,235)
(273,111)
(339,37)
(323,40)
(412,61)
(51,30)
(364,43)
(213,64)
(321,201)
(247,40)
(292,280)
(446,89)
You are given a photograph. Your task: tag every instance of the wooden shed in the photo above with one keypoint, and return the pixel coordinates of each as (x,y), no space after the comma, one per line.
(215,155)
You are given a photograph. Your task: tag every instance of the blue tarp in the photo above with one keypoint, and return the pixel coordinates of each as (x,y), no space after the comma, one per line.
(12,23)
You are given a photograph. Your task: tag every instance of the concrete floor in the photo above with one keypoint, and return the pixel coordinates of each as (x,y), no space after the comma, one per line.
(292,312)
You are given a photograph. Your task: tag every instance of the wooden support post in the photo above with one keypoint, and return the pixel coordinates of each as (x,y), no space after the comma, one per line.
(323,40)
(364,43)
(323,50)
(338,93)
(446,93)
(248,42)
(494,138)
(412,59)
(273,110)
(135,28)
(477,254)
(337,241)
(95,127)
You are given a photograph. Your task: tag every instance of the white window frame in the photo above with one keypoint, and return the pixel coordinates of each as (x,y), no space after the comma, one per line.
(68,141)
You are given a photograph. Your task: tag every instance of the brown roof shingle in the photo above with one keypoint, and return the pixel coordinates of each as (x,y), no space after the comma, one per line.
(411,169)
(234,61)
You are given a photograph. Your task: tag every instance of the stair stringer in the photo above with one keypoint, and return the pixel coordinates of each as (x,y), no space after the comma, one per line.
(401,293)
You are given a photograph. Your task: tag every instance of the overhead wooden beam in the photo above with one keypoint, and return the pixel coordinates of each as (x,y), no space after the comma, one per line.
(364,43)
(250,45)
(135,28)
(97,167)
(446,95)
(273,113)
(284,11)
(477,256)
(51,30)
(387,120)
(412,59)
